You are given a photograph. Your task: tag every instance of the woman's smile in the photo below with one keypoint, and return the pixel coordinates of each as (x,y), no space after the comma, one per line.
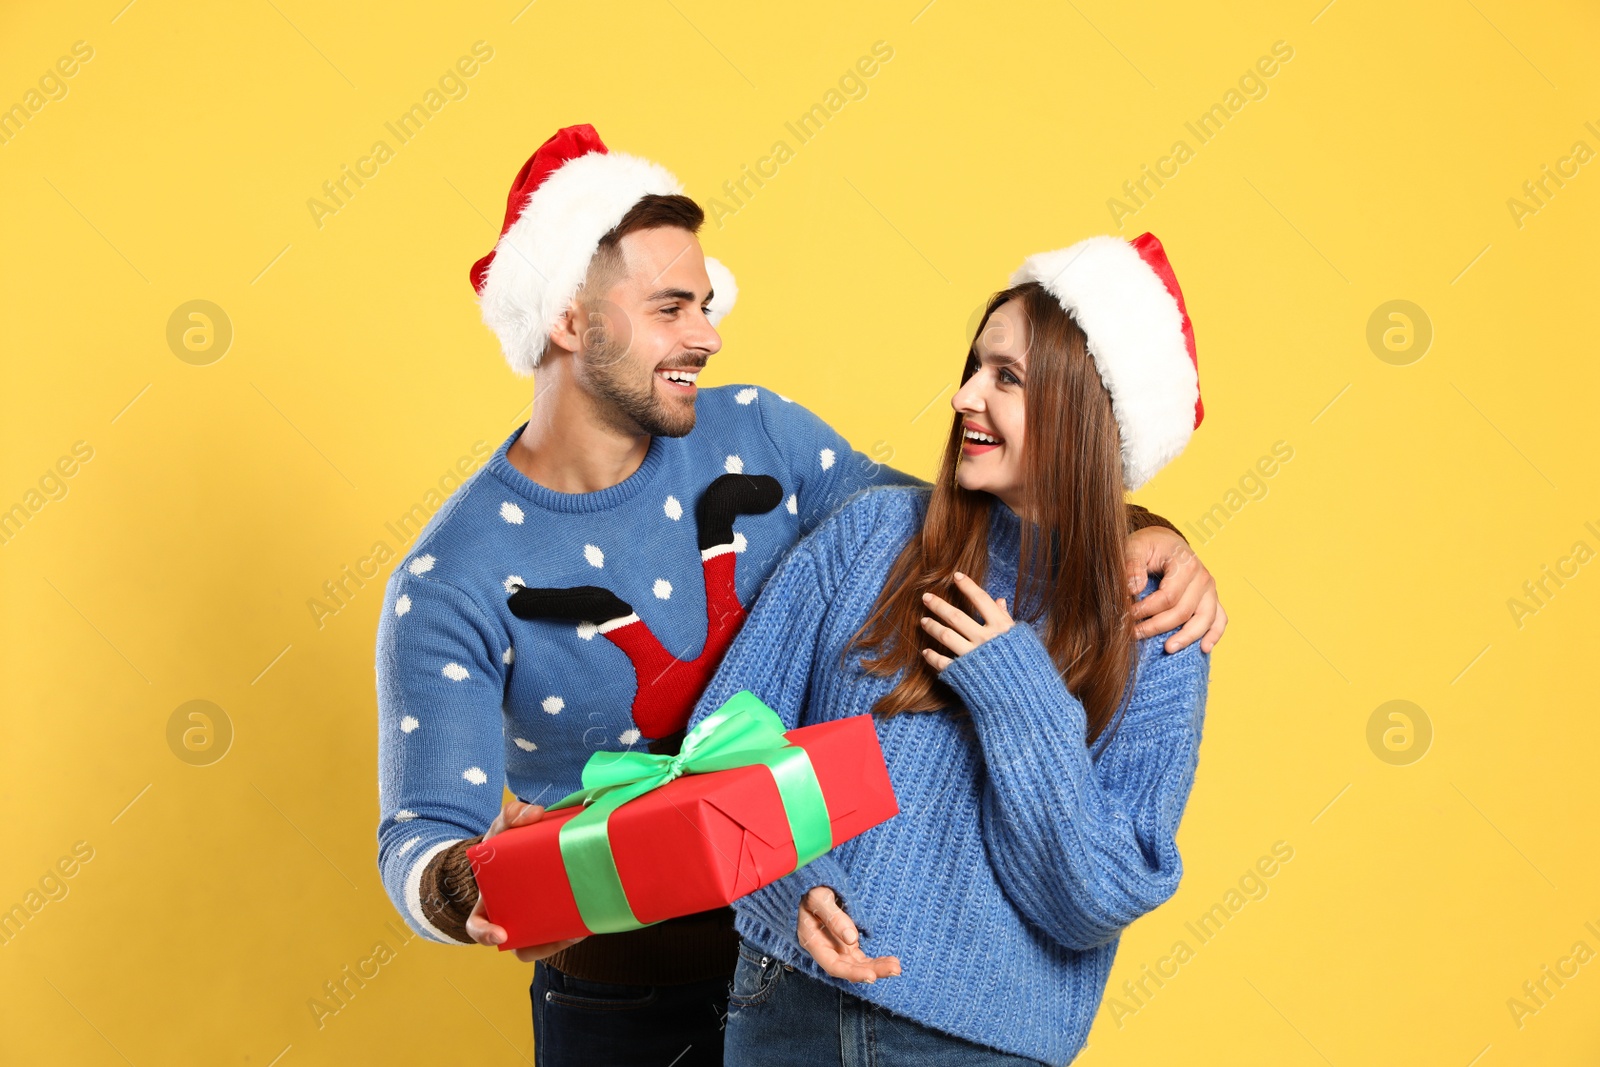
(978,439)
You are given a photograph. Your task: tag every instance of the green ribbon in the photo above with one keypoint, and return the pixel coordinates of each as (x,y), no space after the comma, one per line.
(743,732)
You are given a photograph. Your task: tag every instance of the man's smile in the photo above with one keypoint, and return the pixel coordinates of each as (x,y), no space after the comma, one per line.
(679,379)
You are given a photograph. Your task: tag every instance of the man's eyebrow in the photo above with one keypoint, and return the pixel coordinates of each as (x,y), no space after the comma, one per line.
(671,294)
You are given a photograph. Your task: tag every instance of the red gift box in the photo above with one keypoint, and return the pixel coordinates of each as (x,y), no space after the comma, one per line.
(699,842)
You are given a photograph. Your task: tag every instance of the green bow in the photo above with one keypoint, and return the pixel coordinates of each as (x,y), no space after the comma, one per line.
(743,732)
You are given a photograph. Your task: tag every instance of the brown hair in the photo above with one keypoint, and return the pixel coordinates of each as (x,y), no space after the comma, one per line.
(1070,569)
(648,213)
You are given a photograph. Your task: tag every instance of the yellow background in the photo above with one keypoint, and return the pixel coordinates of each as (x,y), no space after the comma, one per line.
(219,498)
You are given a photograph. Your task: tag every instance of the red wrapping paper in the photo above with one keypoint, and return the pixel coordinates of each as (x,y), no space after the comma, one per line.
(699,842)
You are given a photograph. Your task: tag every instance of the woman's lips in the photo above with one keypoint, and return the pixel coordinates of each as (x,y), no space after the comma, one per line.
(971,446)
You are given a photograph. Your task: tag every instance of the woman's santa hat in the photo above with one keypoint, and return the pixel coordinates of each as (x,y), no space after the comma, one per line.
(1125,297)
(569,194)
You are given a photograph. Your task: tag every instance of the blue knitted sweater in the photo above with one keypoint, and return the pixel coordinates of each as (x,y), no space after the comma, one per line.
(1018,855)
(645,585)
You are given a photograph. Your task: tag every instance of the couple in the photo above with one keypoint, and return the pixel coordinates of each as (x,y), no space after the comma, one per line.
(582,590)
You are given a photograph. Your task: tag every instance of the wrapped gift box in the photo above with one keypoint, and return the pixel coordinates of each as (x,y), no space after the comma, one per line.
(698,842)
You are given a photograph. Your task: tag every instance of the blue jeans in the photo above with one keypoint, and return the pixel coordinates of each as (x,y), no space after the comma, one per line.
(781,1017)
(577,1023)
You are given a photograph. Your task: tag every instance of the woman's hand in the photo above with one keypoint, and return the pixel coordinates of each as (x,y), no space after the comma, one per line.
(479,928)
(830,936)
(960,632)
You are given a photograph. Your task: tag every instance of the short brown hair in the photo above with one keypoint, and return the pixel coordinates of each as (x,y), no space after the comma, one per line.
(649,213)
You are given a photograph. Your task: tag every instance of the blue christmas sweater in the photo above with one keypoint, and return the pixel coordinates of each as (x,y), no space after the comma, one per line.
(528,628)
(1019,853)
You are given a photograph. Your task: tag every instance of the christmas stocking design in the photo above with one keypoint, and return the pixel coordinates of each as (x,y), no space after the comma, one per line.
(667,687)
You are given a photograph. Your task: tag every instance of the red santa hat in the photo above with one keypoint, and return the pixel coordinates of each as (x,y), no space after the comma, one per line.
(1125,297)
(569,194)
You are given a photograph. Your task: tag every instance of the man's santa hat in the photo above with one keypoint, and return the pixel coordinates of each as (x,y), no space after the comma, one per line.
(1125,297)
(569,194)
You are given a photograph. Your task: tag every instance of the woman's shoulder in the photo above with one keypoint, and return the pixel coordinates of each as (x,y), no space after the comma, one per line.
(880,517)
(876,508)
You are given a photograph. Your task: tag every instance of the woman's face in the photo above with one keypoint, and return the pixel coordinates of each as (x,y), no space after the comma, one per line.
(992,409)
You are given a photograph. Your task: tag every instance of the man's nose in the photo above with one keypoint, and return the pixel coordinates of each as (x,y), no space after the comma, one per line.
(703,336)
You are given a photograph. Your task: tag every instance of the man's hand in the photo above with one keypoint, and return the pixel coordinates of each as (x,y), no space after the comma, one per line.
(479,928)
(1187,593)
(830,936)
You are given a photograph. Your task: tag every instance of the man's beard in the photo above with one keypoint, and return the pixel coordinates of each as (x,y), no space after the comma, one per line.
(633,408)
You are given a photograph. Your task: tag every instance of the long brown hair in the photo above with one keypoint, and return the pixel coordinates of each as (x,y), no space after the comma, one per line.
(1070,569)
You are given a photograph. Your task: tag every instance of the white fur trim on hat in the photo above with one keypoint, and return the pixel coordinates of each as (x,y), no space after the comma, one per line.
(1135,333)
(540,262)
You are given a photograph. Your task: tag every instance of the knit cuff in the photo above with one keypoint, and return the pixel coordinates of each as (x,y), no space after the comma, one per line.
(1013,676)
(777,905)
(447,891)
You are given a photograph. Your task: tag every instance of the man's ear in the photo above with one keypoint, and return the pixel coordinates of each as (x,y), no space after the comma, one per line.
(567,333)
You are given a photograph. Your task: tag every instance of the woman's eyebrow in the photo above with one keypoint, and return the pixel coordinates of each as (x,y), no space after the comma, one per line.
(1000,359)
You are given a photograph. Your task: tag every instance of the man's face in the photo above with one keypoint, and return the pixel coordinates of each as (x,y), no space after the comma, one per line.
(645,339)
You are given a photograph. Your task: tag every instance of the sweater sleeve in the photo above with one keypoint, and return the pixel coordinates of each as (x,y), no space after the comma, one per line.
(1141,517)
(440,679)
(772,658)
(1083,847)
(826,469)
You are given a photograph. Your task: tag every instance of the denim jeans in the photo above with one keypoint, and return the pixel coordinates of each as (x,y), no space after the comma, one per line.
(598,1024)
(781,1017)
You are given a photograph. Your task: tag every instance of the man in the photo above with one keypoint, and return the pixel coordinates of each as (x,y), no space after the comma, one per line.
(577,593)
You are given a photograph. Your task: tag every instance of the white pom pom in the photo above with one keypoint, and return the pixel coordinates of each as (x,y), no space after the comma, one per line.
(724,291)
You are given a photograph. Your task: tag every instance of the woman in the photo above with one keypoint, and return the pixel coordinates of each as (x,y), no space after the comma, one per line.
(1041,754)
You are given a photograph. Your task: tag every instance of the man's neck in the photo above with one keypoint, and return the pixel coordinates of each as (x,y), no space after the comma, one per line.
(569,447)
